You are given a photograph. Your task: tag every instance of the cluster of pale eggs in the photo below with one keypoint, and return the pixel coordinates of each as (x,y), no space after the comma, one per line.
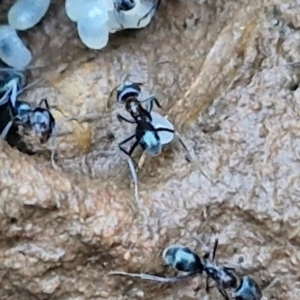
(95,19)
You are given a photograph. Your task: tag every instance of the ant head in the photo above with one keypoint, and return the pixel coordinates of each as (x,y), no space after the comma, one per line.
(128,90)
(125,5)
(42,123)
(247,290)
(182,259)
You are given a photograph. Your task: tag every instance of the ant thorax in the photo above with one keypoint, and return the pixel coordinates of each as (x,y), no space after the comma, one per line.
(223,277)
(133,107)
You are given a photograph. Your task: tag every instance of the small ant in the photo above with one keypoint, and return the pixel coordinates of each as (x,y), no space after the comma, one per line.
(146,133)
(37,118)
(126,5)
(185,260)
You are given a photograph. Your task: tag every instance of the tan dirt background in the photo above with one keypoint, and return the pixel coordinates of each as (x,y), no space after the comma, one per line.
(226,73)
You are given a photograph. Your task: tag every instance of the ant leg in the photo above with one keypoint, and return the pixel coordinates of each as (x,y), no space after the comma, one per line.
(6,130)
(45,101)
(152,99)
(126,140)
(121,118)
(4,99)
(230,269)
(135,178)
(207,285)
(215,249)
(157,103)
(152,277)
(150,107)
(132,147)
(165,129)
(223,293)
(14,94)
(154,7)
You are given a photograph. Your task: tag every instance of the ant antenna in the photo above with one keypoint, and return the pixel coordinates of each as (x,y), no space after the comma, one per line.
(54,147)
(153,277)
(135,179)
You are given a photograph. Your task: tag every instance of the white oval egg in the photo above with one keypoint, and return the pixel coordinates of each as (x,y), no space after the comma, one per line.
(12,50)
(25,14)
(74,9)
(159,121)
(92,25)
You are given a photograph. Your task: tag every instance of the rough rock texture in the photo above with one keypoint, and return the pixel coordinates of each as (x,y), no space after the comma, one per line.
(236,63)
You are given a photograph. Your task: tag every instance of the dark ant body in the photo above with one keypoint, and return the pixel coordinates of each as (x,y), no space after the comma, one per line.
(145,133)
(36,118)
(185,260)
(126,5)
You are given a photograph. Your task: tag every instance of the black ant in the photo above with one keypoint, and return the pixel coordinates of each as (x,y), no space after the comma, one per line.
(126,5)
(185,260)
(36,118)
(146,133)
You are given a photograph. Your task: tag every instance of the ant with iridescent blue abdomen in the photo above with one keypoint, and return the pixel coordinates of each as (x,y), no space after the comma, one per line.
(126,5)
(146,133)
(183,259)
(37,118)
